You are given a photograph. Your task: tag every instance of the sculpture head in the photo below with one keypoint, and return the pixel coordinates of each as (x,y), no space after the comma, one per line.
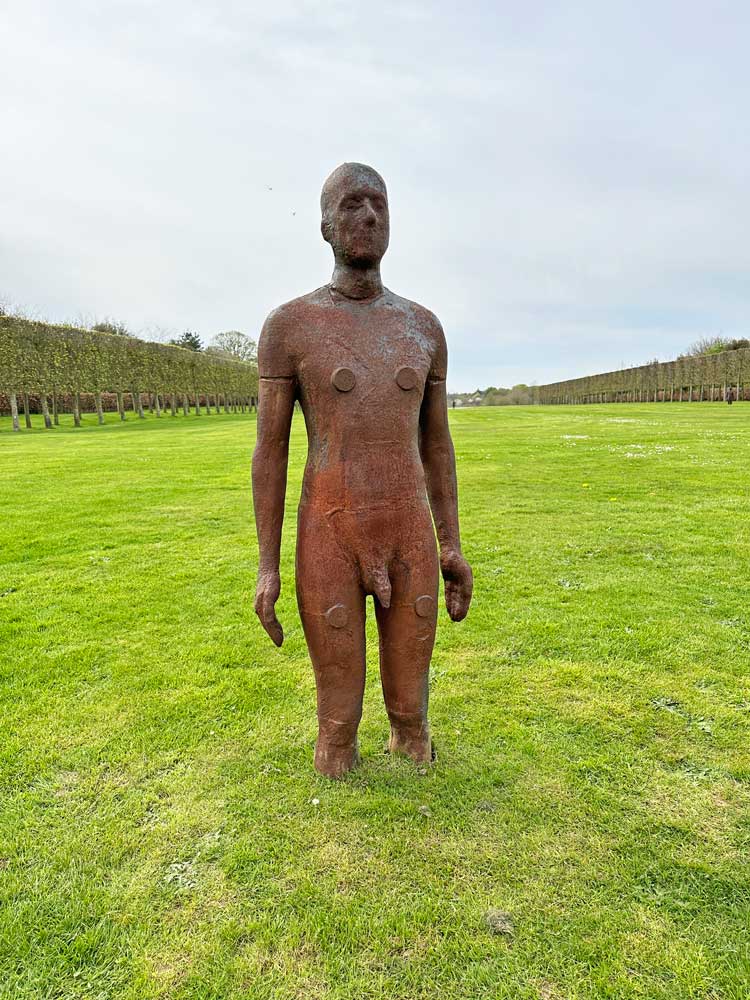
(354,214)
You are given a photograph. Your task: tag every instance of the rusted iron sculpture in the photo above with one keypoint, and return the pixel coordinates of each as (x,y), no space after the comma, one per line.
(368,368)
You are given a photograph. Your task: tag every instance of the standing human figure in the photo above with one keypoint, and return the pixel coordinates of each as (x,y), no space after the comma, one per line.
(368,369)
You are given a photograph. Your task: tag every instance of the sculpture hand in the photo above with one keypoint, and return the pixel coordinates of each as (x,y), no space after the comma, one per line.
(266,595)
(459,584)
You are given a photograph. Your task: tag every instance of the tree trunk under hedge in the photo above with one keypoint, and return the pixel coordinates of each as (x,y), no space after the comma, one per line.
(120,405)
(55,412)
(14,411)
(26,414)
(45,411)
(99,410)
(76,410)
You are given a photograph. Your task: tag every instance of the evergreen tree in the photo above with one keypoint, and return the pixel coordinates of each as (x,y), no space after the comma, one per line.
(189,340)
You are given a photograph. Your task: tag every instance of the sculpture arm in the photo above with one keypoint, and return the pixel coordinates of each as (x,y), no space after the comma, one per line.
(276,397)
(439,462)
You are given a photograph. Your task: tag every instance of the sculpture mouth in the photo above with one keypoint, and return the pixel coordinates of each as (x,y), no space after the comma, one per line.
(364,245)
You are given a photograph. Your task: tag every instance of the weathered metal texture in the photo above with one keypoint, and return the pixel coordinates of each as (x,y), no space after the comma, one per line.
(368,369)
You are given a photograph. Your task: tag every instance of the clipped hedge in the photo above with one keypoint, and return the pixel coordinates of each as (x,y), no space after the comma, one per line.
(62,362)
(690,379)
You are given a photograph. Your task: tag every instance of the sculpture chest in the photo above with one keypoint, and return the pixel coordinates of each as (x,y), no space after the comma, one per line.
(362,361)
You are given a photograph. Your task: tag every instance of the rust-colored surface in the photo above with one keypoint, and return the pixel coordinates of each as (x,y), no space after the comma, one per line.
(368,368)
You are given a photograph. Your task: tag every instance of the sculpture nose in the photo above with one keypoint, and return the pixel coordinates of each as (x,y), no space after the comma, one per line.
(370,215)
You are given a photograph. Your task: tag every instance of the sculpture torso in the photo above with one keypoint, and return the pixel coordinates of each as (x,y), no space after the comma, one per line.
(360,369)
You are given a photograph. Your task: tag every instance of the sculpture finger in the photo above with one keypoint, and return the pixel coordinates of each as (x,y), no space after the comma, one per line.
(450,598)
(463,603)
(457,600)
(270,622)
(460,609)
(274,630)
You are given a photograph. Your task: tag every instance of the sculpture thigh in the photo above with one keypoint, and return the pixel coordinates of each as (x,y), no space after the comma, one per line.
(332,608)
(407,629)
(338,554)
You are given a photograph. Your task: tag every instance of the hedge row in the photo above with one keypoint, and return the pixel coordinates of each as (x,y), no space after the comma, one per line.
(59,363)
(690,379)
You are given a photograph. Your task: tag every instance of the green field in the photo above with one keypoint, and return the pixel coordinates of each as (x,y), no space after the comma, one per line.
(163,833)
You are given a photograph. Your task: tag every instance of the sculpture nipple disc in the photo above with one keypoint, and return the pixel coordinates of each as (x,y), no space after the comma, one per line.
(423,606)
(406,378)
(337,616)
(343,379)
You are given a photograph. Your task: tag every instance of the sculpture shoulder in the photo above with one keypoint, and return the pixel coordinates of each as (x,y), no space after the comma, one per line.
(425,325)
(283,320)
(422,320)
(276,346)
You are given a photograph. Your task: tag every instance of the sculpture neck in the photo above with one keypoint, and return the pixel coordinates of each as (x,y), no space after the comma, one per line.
(357,282)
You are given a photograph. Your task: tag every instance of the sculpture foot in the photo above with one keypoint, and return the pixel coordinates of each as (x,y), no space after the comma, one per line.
(414,744)
(336,748)
(335,761)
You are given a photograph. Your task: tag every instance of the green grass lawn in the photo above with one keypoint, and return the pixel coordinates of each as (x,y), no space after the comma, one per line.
(163,833)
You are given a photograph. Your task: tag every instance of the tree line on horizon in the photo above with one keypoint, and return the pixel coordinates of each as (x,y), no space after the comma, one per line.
(58,365)
(686,368)
(720,372)
(492,396)
(228,343)
(715,345)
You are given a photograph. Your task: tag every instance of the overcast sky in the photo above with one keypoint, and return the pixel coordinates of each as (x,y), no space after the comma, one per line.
(569,183)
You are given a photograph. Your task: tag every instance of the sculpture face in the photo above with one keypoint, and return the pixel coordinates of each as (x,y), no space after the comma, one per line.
(355,220)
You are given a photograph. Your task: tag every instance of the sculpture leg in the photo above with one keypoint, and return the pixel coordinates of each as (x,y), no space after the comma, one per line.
(407,635)
(332,609)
